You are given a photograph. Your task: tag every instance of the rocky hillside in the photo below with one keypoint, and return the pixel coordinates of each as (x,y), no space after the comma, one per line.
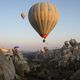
(56,64)
(12,68)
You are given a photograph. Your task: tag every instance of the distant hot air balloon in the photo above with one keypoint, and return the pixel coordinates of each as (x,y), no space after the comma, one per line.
(43,17)
(16,46)
(23,15)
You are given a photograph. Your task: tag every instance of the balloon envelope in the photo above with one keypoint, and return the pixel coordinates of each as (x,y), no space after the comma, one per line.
(43,18)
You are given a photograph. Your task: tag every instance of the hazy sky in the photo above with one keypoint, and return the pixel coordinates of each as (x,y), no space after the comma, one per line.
(16,31)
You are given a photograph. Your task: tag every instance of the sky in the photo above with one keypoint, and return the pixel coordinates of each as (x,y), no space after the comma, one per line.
(16,31)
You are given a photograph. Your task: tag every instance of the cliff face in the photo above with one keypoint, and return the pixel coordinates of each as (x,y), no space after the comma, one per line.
(21,66)
(7,70)
(12,68)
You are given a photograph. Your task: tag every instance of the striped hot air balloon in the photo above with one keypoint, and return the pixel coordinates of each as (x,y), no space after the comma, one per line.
(43,17)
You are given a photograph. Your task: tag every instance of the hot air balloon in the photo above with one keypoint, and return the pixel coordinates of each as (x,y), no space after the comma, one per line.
(23,15)
(43,17)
